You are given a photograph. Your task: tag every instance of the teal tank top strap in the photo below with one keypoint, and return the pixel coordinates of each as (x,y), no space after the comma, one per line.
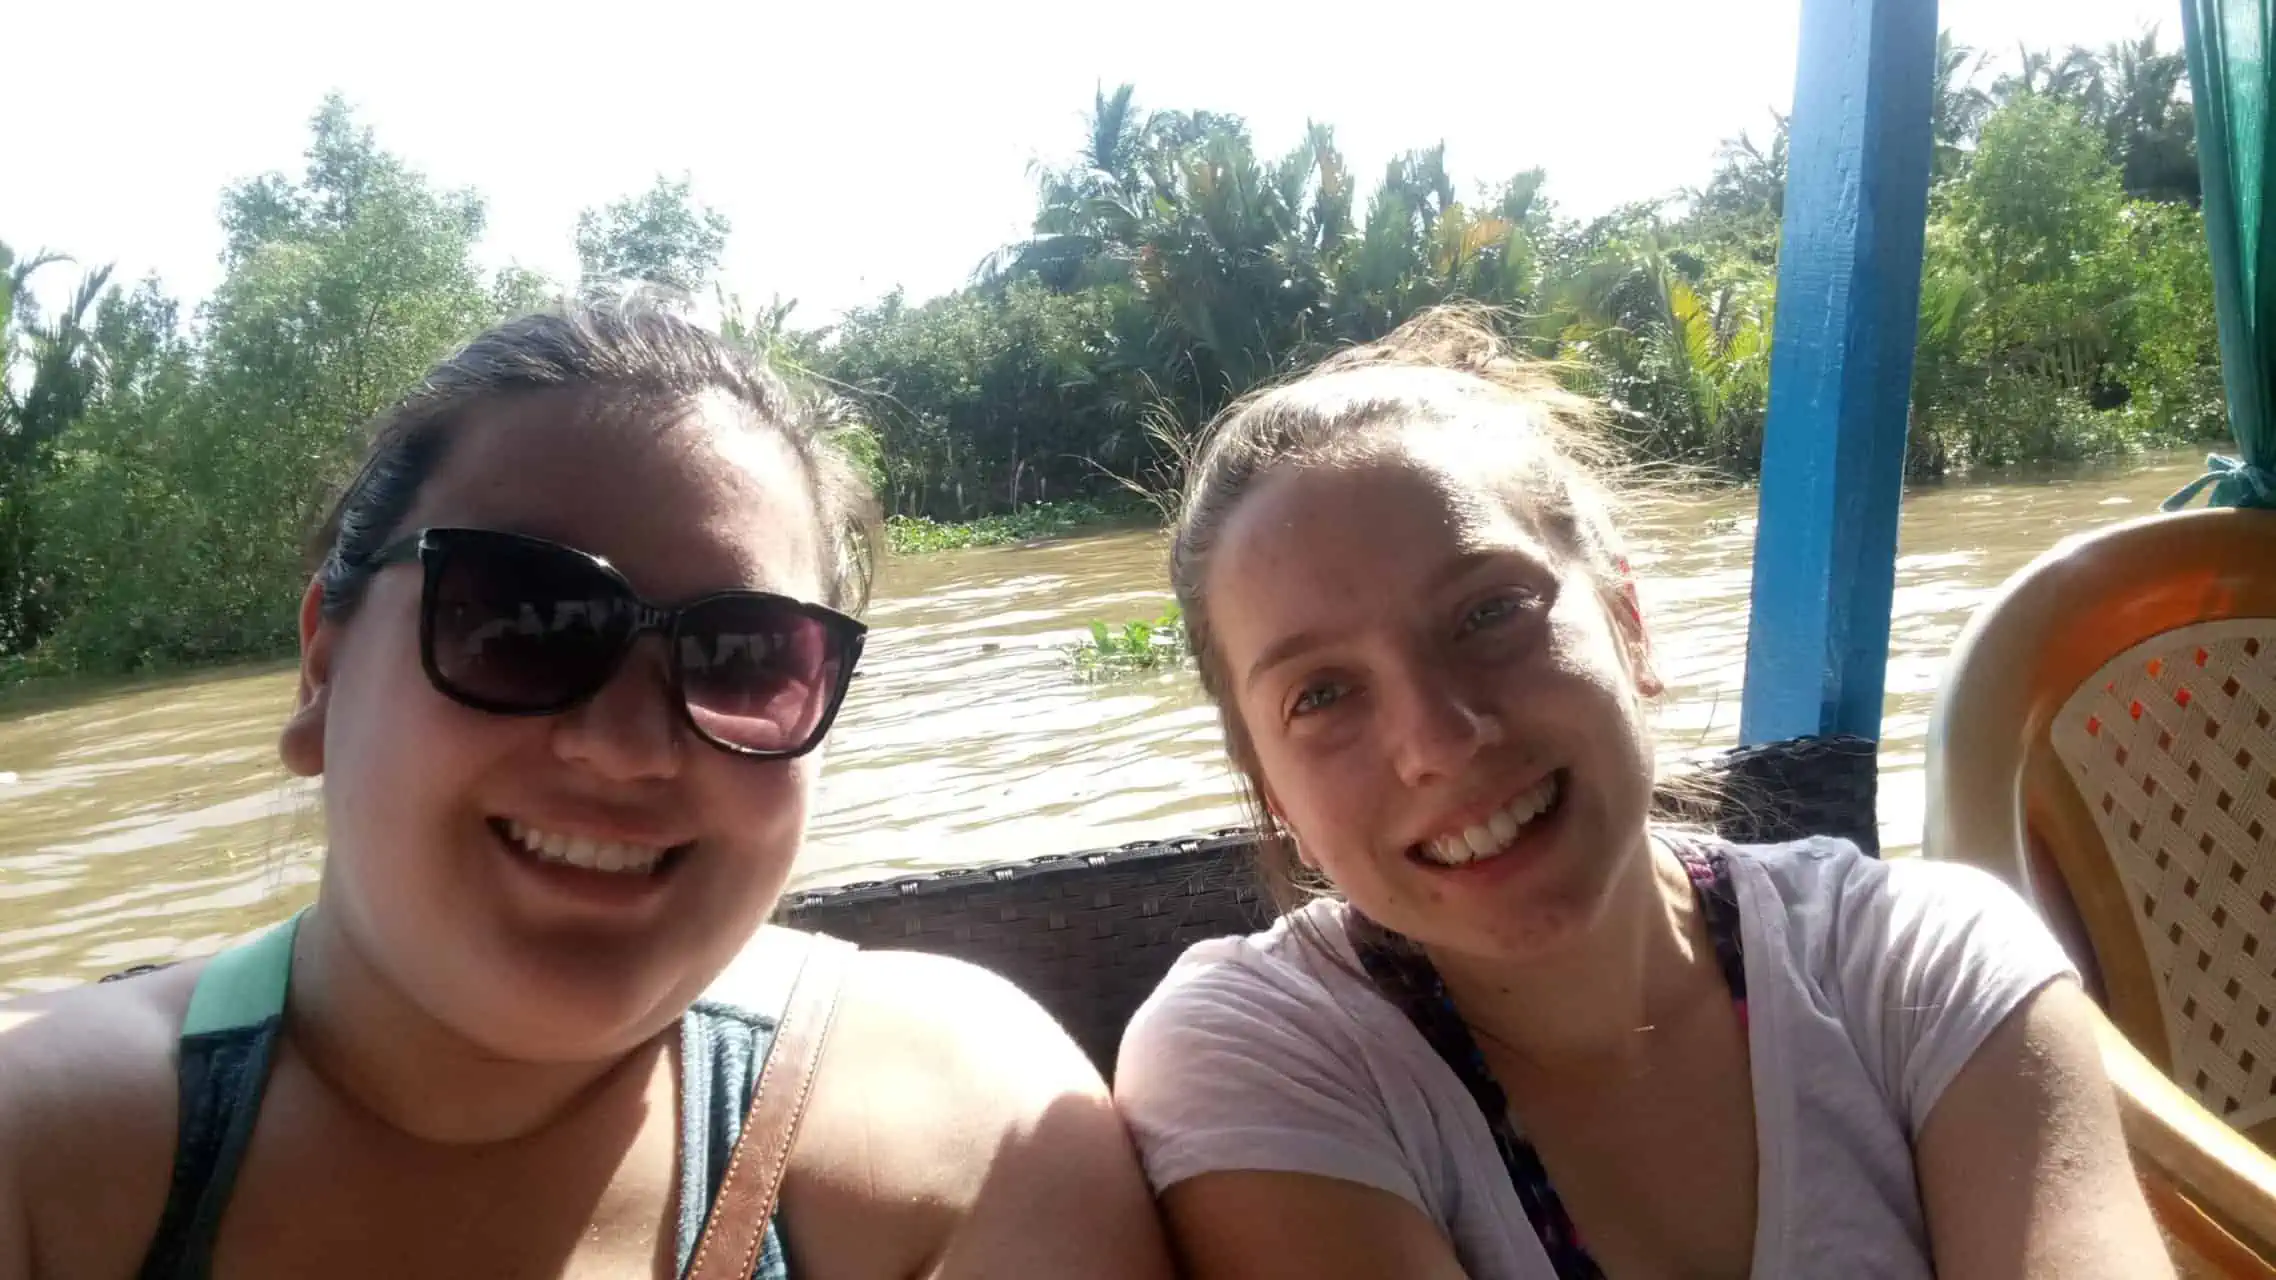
(228,1041)
(245,985)
(228,1044)
(723,1046)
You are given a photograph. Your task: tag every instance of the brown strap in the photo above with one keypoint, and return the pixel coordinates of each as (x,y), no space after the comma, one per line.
(736,1229)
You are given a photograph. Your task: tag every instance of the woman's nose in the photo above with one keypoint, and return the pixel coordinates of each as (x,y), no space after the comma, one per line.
(1439,726)
(630,729)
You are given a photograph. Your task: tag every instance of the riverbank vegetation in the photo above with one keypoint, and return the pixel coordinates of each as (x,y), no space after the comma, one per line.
(159,467)
(915,535)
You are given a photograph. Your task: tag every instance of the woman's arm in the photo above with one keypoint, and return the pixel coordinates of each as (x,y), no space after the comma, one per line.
(957,1132)
(87,1122)
(1281,1137)
(2023,1170)
(15,1222)
(1299,1226)
(1060,1192)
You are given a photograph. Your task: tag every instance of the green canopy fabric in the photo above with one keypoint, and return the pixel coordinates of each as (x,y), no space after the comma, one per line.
(2230,70)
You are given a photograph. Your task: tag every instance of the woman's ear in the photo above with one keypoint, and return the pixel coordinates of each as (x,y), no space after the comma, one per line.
(1635,638)
(1280,820)
(302,743)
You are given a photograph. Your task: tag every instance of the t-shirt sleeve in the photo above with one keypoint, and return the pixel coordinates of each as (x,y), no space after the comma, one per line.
(1226,1068)
(1931,958)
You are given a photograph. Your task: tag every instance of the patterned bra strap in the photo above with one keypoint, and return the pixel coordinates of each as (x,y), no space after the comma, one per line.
(1411,982)
(1718,897)
(1404,974)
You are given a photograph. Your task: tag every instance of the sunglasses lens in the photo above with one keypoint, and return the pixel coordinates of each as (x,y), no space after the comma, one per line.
(758,673)
(523,627)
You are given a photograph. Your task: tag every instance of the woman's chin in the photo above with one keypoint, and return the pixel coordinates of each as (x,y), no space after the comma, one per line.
(1535,900)
(526,1009)
(556,1036)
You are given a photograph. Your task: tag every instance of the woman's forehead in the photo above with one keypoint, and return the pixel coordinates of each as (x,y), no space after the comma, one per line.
(1391,505)
(684,500)
(1350,545)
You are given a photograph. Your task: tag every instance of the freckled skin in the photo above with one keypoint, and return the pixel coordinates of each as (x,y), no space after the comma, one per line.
(1460,658)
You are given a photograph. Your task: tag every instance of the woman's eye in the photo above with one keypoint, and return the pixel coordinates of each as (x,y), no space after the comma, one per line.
(1495,611)
(1316,697)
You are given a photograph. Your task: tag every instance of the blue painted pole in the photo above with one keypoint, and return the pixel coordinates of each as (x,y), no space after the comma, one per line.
(1841,369)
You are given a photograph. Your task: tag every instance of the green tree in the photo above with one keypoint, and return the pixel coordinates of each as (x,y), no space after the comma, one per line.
(2174,372)
(1243,265)
(2045,73)
(1959,106)
(116,497)
(1676,347)
(55,363)
(2141,102)
(2039,223)
(2136,94)
(1744,203)
(661,238)
(988,399)
(519,291)
(342,286)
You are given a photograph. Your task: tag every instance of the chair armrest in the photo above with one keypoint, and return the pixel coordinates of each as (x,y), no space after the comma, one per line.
(2211,1187)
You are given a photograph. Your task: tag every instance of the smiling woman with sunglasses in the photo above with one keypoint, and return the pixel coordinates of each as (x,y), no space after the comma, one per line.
(575,634)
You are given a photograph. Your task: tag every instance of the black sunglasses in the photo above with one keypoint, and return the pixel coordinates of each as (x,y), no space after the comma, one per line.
(520,626)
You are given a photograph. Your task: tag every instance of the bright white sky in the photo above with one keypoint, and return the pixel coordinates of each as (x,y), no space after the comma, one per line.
(857,146)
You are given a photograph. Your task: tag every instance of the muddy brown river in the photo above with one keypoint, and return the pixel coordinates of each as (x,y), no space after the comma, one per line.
(149,822)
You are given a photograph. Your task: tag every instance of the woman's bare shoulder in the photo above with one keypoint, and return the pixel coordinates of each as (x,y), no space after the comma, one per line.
(87,1120)
(950,1051)
(85,1049)
(948,1090)
(909,1020)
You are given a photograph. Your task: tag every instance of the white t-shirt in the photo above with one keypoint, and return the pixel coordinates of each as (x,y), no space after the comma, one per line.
(1869,985)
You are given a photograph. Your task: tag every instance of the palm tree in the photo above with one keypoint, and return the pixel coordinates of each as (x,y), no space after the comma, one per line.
(1118,137)
(1960,107)
(757,331)
(1088,213)
(59,354)
(1683,362)
(54,360)
(1749,182)
(2150,122)
(1243,264)
(1213,256)
(1315,185)
(2039,72)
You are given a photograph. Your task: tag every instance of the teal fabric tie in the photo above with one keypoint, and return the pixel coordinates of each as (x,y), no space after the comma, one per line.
(2234,483)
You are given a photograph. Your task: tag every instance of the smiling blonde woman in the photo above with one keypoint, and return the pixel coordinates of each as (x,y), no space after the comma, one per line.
(1523,1032)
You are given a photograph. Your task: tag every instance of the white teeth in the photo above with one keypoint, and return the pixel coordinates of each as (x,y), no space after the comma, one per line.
(1497,832)
(584,851)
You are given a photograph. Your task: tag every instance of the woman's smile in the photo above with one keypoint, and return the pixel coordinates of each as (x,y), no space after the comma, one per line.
(1520,819)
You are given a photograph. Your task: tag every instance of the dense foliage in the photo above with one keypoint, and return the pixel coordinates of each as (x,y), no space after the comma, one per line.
(158,471)
(2067,294)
